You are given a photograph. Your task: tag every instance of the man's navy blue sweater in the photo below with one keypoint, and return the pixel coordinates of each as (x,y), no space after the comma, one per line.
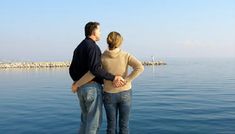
(87,57)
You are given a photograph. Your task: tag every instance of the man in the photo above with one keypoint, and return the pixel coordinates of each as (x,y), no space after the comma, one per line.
(87,57)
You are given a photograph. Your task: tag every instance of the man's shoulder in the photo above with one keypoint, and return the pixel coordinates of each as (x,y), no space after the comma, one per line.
(90,44)
(86,44)
(93,47)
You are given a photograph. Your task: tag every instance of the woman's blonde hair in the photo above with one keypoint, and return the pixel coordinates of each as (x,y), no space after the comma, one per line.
(114,40)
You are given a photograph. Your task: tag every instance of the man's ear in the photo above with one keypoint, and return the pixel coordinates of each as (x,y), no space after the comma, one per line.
(93,32)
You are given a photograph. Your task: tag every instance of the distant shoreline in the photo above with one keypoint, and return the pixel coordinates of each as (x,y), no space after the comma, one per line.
(56,64)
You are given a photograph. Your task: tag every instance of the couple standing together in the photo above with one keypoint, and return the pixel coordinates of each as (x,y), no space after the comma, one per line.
(90,69)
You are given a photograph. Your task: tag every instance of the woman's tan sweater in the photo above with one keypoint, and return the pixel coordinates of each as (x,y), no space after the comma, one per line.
(116,62)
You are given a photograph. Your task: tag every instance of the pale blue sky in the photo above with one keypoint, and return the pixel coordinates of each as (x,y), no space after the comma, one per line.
(45,30)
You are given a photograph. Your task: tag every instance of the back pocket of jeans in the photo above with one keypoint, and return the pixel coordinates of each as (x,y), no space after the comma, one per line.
(91,94)
(125,97)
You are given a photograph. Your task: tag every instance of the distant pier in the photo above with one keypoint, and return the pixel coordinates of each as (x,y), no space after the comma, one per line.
(148,63)
(55,64)
(34,64)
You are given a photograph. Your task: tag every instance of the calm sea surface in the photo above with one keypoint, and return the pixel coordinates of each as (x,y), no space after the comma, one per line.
(187,96)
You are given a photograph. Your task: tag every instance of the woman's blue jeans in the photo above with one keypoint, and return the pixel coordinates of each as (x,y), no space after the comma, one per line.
(117,107)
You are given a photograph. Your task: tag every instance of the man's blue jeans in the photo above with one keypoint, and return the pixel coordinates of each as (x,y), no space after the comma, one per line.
(117,103)
(90,97)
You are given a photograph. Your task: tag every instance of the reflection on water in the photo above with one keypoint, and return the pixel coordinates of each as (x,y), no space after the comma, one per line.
(185,96)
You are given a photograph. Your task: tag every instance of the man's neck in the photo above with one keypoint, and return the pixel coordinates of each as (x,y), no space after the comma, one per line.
(93,38)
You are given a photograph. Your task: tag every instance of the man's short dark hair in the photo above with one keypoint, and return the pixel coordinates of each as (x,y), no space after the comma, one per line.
(90,27)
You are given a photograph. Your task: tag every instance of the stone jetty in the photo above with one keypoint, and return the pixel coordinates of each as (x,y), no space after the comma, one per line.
(54,64)
(148,63)
(34,64)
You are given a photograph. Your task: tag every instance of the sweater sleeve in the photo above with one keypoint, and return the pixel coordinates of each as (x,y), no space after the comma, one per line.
(85,79)
(137,67)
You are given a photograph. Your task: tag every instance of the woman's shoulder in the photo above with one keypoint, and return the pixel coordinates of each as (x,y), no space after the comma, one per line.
(125,53)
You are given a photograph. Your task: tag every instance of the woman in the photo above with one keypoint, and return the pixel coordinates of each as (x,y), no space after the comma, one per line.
(117,100)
